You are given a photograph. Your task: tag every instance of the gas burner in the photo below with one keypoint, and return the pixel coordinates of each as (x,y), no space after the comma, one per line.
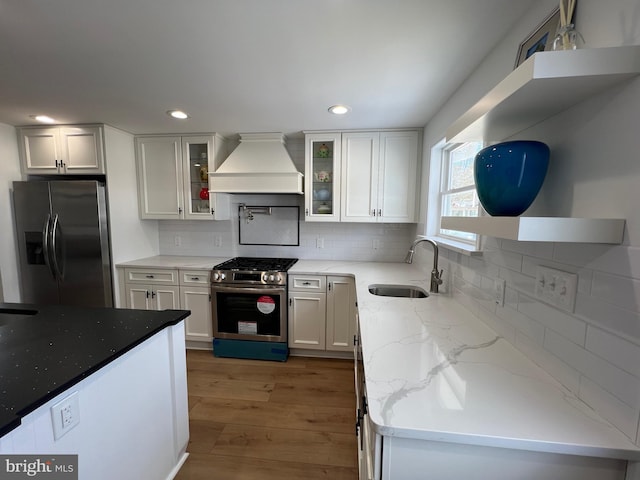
(253,270)
(257,264)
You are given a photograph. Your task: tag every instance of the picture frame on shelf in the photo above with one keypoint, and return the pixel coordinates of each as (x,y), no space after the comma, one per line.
(541,39)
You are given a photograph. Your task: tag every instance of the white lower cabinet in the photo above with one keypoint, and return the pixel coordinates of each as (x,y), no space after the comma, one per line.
(164,289)
(195,295)
(321,312)
(152,297)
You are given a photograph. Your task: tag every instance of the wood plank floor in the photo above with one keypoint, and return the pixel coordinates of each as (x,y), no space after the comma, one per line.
(258,420)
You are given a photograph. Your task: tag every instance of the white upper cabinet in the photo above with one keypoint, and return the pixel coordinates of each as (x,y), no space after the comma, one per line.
(173,178)
(322,177)
(361,158)
(380,175)
(398,177)
(63,150)
(159,168)
(368,176)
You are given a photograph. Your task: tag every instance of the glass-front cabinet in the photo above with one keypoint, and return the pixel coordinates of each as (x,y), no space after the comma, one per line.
(322,177)
(199,154)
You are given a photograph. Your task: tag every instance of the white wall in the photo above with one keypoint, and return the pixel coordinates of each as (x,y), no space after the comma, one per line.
(9,172)
(131,238)
(594,171)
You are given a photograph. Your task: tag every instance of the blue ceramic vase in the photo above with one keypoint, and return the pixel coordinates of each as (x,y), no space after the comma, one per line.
(509,175)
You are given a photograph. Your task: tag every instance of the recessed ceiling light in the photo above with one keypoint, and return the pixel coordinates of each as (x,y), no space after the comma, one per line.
(179,114)
(43,118)
(339,109)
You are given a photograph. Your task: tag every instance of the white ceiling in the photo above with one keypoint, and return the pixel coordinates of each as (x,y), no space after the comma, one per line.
(241,65)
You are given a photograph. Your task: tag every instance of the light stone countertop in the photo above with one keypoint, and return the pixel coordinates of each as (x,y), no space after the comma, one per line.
(175,261)
(436,372)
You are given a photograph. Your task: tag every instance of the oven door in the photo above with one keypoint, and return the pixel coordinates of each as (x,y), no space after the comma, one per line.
(249,313)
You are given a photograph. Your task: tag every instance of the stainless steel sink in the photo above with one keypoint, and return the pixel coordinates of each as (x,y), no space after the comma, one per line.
(405,291)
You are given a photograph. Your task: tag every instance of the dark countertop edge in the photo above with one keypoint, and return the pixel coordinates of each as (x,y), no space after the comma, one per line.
(13,424)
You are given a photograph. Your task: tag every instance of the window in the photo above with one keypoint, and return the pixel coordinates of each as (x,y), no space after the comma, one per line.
(458,195)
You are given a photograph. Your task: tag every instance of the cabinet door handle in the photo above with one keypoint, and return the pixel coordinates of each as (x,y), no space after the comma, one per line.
(56,163)
(373,212)
(147,293)
(179,209)
(153,294)
(195,278)
(379,213)
(150,276)
(306,212)
(306,283)
(290,302)
(329,286)
(213,211)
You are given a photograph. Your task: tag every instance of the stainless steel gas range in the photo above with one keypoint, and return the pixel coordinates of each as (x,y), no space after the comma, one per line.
(249,307)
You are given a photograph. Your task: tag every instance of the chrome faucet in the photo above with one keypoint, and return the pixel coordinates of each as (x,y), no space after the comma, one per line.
(436,277)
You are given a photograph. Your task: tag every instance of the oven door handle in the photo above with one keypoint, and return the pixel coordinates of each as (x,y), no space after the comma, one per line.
(266,289)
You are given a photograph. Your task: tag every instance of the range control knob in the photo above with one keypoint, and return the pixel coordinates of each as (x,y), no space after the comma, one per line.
(265,278)
(271,278)
(222,276)
(278,278)
(216,276)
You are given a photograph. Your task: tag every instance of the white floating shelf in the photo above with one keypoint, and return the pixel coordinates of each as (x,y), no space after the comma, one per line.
(541,229)
(544,85)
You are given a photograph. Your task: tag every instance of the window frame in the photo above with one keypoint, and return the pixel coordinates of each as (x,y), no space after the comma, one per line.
(439,182)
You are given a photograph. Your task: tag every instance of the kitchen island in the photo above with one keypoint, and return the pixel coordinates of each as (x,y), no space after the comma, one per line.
(123,374)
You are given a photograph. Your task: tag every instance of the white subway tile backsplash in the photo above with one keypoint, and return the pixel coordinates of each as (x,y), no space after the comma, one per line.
(615,259)
(522,323)
(616,381)
(512,261)
(623,292)
(614,349)
(562,323)
(535,249)
(608,316)
(566,375)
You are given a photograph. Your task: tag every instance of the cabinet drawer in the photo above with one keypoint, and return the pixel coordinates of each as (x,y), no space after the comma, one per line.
(194,277)
(305,283)
(151,276)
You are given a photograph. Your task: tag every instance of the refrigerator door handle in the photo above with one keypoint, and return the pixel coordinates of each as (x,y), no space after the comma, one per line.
(54,248)
(46,250)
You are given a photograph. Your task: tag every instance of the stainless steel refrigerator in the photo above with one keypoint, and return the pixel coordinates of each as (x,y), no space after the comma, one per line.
(63,242)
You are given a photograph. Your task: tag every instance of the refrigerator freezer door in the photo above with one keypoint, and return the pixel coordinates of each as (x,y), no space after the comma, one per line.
(32,212)
(80,243)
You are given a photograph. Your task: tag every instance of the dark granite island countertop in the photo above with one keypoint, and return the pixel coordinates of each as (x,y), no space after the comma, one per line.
(45,350)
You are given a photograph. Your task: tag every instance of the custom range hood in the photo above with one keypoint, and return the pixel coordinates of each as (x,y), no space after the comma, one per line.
(260,164)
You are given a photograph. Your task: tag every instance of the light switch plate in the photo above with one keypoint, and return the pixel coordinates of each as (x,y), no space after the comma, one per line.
(556,287)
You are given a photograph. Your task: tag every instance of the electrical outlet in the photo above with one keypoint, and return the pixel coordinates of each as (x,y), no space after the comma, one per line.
(498,291)
(556,287)
(319,242)
(376,244)
(217,241)
(65,415)
(177,240)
